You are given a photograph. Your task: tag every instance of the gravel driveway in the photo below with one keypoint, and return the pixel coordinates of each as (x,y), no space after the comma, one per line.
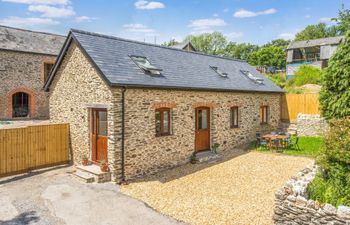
(237,191)
(55,197)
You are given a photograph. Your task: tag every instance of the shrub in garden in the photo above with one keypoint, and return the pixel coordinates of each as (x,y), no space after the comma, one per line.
(306,74)
(332,183)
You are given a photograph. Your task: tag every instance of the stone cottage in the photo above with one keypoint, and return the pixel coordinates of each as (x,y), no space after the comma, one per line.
(145,107)
(26,58)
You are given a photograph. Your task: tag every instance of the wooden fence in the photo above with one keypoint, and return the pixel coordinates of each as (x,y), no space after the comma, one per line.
(293,104)
(33,147)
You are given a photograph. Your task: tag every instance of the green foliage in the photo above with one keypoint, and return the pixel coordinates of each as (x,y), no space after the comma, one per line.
(268,56)
(306,74)
(172,42)
(320,30)
(335,92)
(210,43)
(279,79)
(343,21)
(240,51)
(332,185)
(278,43)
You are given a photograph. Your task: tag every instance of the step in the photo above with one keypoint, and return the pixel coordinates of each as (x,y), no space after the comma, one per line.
(95,171)
(207,156)
(86,177)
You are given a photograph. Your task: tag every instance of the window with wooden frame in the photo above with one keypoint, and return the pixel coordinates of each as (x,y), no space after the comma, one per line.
(162,121)
(47,69)
(234,117)
(264,111)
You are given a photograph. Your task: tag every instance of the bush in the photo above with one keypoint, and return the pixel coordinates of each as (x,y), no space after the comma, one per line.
(279,79)
(306,74)
(332,184)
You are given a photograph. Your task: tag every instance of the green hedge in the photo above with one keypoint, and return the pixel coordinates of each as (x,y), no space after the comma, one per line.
(332,183)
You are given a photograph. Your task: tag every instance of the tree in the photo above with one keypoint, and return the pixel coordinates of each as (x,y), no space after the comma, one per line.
(240,51)
(172,42)
(210,43)
(320,30)
(268,56)
(278,43)
(335,92)
(343,21)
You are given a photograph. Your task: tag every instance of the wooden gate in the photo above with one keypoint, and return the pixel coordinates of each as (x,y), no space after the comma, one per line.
(33,147)
(293,104)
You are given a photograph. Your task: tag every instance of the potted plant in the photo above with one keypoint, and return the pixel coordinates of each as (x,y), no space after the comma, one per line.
(193,158)
(215,148)
(103,165)
(85,160)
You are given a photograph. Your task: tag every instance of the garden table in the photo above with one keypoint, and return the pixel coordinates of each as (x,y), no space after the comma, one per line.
(270,137)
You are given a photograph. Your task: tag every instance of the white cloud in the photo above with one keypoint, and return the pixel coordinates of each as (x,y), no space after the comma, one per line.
(286,36)
(215,15)
(234,35)
(80,19)
(51,11)
(206,24)
(242,13)
(138,28)
(23,22)
(142,4)
(40,2)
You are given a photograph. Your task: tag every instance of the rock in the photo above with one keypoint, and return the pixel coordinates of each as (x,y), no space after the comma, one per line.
(300,201)
(344,211)
(329,209)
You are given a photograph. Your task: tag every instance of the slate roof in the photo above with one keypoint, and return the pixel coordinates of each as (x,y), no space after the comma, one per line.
(180,69)
(30,41)
(315,42)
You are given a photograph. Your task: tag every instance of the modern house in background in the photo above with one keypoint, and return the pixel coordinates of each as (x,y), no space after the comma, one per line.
(312,52)
(145,107)
(26,58)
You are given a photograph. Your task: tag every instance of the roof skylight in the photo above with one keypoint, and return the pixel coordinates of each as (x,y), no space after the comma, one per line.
(145,65)
(256,79)
(218,71)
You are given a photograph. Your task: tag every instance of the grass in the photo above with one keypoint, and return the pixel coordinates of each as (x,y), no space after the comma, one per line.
(309,147)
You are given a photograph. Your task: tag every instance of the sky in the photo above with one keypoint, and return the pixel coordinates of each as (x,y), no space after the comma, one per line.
(251,21)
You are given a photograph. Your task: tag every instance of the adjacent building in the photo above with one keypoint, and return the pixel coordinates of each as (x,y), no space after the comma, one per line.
(145,107)
(26,58)
(315,52)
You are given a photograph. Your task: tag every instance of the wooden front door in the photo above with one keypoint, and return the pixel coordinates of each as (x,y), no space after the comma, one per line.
(202,139)
(99,134)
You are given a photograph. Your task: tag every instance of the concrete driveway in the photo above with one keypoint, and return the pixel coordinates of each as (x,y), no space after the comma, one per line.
(56,197)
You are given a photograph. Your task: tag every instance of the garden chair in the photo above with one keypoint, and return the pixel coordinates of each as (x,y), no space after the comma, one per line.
(294,143)
(260,142)
(276,143)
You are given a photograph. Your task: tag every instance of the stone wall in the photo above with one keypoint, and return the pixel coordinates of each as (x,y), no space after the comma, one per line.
(147,153)
(76,89)
(292,205)
(311,125)
(23,72)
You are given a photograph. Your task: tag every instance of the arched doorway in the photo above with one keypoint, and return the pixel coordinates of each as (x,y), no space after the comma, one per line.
(20,104)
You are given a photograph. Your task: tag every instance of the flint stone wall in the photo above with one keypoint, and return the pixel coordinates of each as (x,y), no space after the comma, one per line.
(311,125)
(292,206)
